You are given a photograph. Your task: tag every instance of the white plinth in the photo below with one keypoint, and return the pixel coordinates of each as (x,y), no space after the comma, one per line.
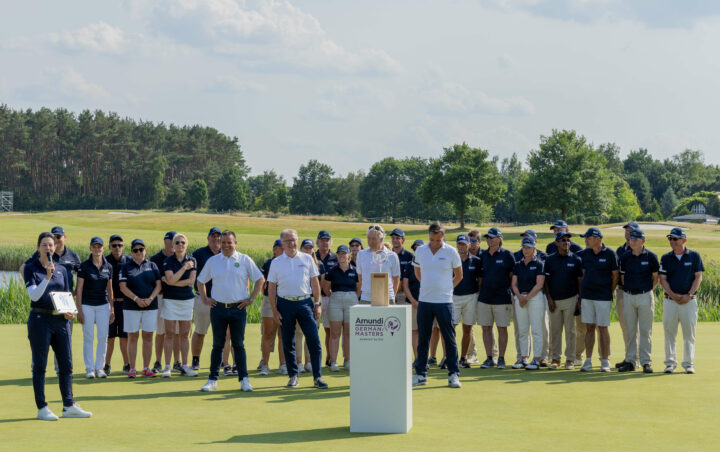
(380,377)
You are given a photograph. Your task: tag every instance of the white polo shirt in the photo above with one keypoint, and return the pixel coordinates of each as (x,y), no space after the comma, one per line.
(292,274)
(230,276)
(436,272)
(366,265)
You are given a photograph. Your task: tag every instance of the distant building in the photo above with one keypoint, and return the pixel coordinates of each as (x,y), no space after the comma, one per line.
(698,218)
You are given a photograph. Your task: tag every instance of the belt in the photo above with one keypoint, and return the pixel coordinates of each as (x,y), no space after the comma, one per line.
(300,298)
(636,292)
(668,296)
(227,305)
(45,311)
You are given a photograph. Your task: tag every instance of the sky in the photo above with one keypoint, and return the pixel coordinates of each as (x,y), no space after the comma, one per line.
(350,83)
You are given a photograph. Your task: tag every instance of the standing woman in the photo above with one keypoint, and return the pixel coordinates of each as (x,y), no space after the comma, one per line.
(355,247)
(117,259)
(342,280)
(94,292)
(527,284)
(46,328)
(179,272)
(140,283)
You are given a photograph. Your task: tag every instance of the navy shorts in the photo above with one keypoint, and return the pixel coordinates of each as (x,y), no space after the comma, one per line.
(116,327)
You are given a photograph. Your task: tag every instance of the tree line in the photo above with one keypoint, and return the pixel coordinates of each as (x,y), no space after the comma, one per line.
(59,160)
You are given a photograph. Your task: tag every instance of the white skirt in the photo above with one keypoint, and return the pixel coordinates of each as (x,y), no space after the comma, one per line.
(177,309)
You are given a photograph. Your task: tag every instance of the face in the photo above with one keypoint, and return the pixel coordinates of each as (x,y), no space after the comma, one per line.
(214,241)
(168,244)
(636,244)
(375,239)
(436,239)
(493,242)
(474,243)
(528,251)
(563,244)
(290,243)
(308,249)
(343,257)
(324,244)
(47,245)
(180,245)
(677,245)
(116,247)
(277,250)
(138,252)
(397,241)
(355,247)
(59,241)
(592,242)
(97,249)
(228,244)
(462,248)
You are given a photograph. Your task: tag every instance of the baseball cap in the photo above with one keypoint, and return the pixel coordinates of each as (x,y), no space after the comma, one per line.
(96,241)
(307,242)
(637,233)
(592,232)
(632,225)
(462,238)
(528,241)
(116,237)
(355,239)
(169,235)
(57,230)
(559,224)
(137,242)
(398,232)
(278,242)
(213,230)
(323,235)
(678,233)
(493,232)
(343,249)
(562,234)
(418,242)
(529,233)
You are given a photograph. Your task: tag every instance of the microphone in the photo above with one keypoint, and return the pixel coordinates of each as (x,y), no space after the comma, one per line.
(50,259)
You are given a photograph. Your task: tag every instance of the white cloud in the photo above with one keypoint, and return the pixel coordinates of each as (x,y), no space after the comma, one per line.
(229,83)
(63,84)
(450,98)
(98,38)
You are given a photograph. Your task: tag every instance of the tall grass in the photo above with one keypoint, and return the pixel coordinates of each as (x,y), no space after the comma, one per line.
(14,302)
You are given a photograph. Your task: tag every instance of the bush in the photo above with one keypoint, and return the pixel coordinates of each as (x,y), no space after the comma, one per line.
(576,219)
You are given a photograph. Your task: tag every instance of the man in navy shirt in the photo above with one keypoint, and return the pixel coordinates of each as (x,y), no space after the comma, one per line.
(561,226)
(680,276)
(563,273)
(268,328)
(600,276)
(398,239)
(619,293)
(639,275)
(329,260)
(201,311)
(411,287)
(117,259)
(465,295)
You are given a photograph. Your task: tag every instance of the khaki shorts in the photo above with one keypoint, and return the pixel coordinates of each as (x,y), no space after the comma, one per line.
(265,308)
(465,309)
(500,314)
(596,312)
(201,316)
(339,306)
(325,311)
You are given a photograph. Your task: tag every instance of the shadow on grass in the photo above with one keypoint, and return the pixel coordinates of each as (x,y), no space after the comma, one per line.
(22,419)
(296,436)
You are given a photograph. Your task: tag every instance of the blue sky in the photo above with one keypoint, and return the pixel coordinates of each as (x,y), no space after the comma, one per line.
(350,83)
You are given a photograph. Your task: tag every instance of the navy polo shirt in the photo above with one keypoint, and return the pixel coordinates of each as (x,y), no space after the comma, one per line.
(159,259)
(638,270)
(116,264)
(471,272)
(68,259)
(518,255)
(413,283)
(597,281)
(681,273)
(496,273)
(172,264)
(34,274)
(621,251)
(527,273)
(140,279)
(552,248)
(405,257)
(561,275)
(265,269)
(325,265)
(95,281)
(342,281)
(201,256)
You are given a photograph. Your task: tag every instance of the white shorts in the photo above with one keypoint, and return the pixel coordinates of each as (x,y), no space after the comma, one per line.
(201,316)
(464,308)
(178,309)
(135,321)
(595,311)
(325,312)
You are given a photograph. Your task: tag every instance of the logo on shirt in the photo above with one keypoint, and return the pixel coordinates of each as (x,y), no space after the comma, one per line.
(499,261)
(570,265)
(237,264)
(687,264)
(602,260)
(533,268)
(644,263)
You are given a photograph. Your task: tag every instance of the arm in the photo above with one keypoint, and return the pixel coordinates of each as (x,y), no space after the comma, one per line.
(666,287)
(457,275)
(408,294)
(128,293)
(110,300)
(272,299)
(257,287)
(615,279)
(539,283)
(78,299)
(694,288)
(417,273)
(315,284)
(158,288)
(550,301)
(396,284)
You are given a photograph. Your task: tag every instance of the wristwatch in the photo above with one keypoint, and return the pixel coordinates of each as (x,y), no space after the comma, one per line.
(317,303)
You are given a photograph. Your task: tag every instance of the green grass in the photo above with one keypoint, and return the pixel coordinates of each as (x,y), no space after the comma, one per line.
(499,410)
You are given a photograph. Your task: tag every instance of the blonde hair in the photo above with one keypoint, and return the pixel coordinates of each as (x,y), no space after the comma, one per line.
(376,228)
(176,236)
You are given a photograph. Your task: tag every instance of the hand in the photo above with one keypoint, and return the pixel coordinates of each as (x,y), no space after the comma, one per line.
(80,317)
(146,302)
(49,269)
(523,300)
(414,303)
(684,299)
(317,311)
(112,316)
(210,301)
(188,265)
(551,305)
(69,316)
(244,303)
(277,316)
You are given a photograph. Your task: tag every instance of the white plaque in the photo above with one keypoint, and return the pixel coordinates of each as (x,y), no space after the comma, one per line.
(63,302)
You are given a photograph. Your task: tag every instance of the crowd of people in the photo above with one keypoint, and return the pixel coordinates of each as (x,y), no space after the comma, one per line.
(566,291)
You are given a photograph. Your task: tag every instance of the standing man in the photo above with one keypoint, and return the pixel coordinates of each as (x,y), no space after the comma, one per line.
(377,259)
(561,226)
(158,259)
(439,269)
(600,277)
(475,239)
(329,261)
(404,256)
(465,296)
(269,329)
(639,275)
(231,273)
(680,276)
(292,281)
(117,259)
(201,311)
(563,274)
(619,293)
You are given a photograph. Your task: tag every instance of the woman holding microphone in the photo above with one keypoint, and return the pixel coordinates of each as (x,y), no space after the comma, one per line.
(47,328)
(527,283)
(94,290)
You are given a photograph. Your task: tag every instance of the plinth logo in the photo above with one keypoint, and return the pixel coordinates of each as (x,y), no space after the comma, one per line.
(392,324)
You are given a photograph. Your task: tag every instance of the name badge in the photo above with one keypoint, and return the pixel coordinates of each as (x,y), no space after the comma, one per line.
(441,258)
(471,268)
(602,260)
(688,264)
(533,268)
(570,265)
(351,274)
(644,263)
(499,261)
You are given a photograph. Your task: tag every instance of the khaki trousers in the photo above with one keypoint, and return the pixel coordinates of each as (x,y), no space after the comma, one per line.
(686,315)
(638,313)
(620,296)
(563,318)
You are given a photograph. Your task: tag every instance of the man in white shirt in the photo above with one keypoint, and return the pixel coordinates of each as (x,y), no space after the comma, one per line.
(377,259)
(438,267)
(292,286)
(231,273)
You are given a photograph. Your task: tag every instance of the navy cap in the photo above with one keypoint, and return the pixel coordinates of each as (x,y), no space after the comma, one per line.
(632,225)
(562,234)
(307,242)
(323,235)
(355,239)
(592,232)
(278,242)
(493,232)
(57,230)
(137,242)
(96,241)
(637,233)
(528,241)
(559,224)
(529,233)
(169,235)
(418,242)
(462,238)
(213,230)
(343,249)
(678,233)
(398,232)
(116,237)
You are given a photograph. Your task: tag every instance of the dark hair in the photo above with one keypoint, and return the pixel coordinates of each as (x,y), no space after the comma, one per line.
(229,232)
(44,235)
(474,233)
(436,228)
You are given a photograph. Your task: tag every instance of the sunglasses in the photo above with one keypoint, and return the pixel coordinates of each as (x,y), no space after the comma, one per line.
(473,240)
(138,250)
(564,240)
(672,239)
(116,245)
(180,243)
(57,236)
(377,228)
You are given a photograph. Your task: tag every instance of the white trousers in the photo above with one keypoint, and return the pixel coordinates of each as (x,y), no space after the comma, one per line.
(531,318)
(639,311)
(100,316)
(686,315)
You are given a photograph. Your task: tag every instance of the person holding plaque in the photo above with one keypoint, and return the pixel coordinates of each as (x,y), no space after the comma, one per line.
(377,259)
(46,328)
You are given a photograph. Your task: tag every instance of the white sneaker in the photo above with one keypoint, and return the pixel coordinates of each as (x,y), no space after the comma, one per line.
(188,371)
(587,366)
(245,385)
(75,411)
(308,367)
(578,363)
(454,381)
(90,374)
(45,414)
(346,365)
(282,370)
(100,373)
(604,365)
(211,385)
(334,367)
(260,366)
(419,380)
(167,371)
(265,370)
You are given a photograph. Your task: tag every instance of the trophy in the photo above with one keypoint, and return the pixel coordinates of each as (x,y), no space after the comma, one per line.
(379,280)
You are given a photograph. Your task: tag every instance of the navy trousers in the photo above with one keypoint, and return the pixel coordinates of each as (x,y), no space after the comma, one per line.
(221,318)
(426,313)
(301,312)
(45,331)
